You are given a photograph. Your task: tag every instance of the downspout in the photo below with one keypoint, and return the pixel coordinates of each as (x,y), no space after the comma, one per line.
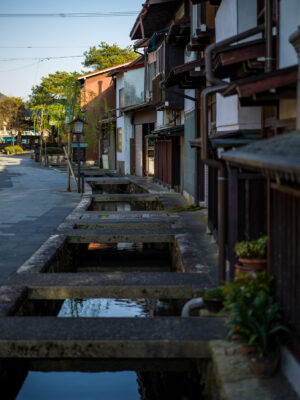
(268,34)
(222,177)
(222,172)
(142,13)
(196,126)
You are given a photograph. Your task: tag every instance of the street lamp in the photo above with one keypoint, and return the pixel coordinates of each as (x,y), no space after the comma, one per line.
(77,125)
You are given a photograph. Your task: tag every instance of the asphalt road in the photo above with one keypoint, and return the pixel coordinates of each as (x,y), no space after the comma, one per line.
(33,202)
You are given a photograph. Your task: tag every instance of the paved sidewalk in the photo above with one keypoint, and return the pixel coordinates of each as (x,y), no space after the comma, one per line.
(33,202)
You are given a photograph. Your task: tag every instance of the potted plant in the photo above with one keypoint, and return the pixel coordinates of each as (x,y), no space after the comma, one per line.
(213,299)
(251,255)
(257,319)
(239,289)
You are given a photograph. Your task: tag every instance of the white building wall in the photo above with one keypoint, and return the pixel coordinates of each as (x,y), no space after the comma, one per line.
(159,118)
(120,119)
(189,105)
(119,85)
(139,150)
(235,16)
(226,20)
(124,122)
(127,135)
(289,19)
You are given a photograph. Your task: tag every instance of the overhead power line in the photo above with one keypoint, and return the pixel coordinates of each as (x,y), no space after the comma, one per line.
(37,58)
(72,15)
(45,47)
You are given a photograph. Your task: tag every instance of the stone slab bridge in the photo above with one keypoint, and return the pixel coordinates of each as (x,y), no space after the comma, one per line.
(48,337)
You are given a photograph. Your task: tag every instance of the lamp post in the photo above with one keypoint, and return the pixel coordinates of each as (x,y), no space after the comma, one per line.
(77,125)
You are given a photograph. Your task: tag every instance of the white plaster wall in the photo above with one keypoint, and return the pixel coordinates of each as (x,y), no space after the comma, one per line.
(134,81)
(226,20)
(227,113)
(249,117)
(121,124)
(288,20)
(189,104)
(235,16)
(127,135)
(247,16)
(139,150)
(159,118)
(291,369)
(226,26)
(119,85)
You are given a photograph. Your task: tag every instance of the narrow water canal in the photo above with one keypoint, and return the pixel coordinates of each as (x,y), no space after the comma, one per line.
(122,379)
(148,383)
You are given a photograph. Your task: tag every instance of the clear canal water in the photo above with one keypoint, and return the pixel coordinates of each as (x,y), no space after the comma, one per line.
(80,386)
(141,380)
(104,308)
(118,385)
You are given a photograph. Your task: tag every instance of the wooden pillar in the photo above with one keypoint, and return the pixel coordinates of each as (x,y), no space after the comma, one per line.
(233,216)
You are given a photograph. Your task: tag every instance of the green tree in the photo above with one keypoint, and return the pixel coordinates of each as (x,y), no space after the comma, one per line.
(52,88)
(13,115)
(105,56)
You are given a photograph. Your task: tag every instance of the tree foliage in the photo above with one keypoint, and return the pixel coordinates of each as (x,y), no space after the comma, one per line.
(12,113)
(57,96)
(52,88)
(105,56)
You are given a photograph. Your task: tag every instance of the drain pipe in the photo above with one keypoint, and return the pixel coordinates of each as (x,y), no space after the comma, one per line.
(222,178)
(222,172)
(268,35)
(193,304)
(196,128)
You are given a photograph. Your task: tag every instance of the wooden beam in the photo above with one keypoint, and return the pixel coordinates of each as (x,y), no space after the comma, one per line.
(241,54)
(267,83)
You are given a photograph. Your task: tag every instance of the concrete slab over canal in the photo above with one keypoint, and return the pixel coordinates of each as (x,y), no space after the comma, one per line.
(160,285)
(50,337)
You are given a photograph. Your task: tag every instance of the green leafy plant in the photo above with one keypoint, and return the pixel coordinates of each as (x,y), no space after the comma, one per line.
(244,286)
(214,294)
(54,150)
(252,249)
(254,315)
(13,149)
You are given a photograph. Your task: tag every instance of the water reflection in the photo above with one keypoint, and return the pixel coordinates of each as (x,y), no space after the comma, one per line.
(104,308)
(80,386)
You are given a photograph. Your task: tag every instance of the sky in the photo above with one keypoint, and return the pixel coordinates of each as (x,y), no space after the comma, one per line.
(55,37)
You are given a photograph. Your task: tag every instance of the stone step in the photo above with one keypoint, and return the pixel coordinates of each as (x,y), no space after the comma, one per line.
(125,215)
(159,337)
(123,268)
(130,285)
(120,225)
(124,197)
(114,236)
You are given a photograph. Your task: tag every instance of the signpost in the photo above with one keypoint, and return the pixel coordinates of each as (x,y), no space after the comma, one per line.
(77,125)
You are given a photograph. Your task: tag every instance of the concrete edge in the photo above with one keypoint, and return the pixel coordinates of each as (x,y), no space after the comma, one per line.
(43,257)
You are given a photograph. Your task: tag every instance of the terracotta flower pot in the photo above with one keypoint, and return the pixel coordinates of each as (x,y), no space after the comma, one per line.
(264,367)
(255,264)
(246,349)
(240,270)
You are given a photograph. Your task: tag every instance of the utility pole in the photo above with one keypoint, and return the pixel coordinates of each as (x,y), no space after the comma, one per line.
(69,138)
